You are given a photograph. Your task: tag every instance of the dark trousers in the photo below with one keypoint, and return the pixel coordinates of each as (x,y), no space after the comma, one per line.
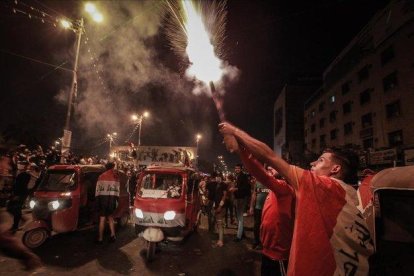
(15,207)
(272,267)
(229,211)
(257,223)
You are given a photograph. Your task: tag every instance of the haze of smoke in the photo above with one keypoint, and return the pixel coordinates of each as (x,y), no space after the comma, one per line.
(127,60)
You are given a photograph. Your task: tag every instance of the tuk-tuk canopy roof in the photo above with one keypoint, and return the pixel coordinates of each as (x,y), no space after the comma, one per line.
(83,168)
(398,177)
(168,167)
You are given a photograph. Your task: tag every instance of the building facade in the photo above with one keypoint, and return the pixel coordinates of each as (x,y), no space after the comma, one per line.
(288,126)
(367,96)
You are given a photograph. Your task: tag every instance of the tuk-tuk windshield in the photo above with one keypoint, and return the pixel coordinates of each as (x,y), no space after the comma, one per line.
(161,185)
(58,180)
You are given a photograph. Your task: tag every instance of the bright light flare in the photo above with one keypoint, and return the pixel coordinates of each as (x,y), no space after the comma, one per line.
(65,24)
(93,11)
(146,114)
(198,136)
(90,8)
(205,65)
(97,17)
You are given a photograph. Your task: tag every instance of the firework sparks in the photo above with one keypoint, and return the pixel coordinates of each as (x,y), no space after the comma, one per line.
(197,32)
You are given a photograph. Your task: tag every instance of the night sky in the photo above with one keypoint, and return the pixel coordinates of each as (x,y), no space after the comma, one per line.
(268,41)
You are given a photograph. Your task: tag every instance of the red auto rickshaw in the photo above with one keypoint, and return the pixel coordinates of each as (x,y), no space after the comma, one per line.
(64,202)
(391,219)
(166,204)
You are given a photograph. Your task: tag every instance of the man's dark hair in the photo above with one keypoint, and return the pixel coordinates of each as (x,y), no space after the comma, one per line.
(239,165)
(349,162)
(109,165)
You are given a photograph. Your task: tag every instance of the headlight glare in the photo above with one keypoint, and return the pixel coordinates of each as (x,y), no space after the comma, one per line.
(169,215)
(32,204)
(54,205)
(138,213)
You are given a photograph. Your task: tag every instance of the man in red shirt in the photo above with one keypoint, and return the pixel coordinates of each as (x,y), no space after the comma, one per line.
(107,196)
(330,237)
(277,217)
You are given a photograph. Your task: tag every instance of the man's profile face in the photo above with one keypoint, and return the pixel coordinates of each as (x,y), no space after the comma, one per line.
(237,169)
(323,165)
(270,171)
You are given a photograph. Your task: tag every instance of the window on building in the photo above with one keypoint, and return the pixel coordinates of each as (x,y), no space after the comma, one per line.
(346,87)
(313,128)
(322,123)
(347,107)
(334,134)
(332,116)
(313,143)
(387,55)
(278,120)
(390,81)
(332,99)
(313,113)
(395,138)
(366,120)
(321,106)
(368,143)
(322,141)
(348,128)
(393,109)
(365,97)
(363,74)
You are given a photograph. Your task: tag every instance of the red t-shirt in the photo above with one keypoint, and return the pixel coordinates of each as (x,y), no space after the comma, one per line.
(278,211)
(330,237)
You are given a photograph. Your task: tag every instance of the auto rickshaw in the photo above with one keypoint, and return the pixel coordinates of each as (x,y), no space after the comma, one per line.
(65,201)
(166,205)
(392,221)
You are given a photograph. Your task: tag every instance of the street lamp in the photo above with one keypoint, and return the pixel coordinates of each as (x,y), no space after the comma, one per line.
(78,28)
(198,138)
(137,119)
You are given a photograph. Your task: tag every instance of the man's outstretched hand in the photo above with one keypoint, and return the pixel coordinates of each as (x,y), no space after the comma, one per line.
(228,131)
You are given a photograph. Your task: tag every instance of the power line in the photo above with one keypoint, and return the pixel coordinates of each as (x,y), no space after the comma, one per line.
(38,61)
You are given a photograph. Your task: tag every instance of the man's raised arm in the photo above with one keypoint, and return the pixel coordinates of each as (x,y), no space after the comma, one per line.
(262,152)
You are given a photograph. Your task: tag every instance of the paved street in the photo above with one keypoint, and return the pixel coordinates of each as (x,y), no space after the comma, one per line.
(75,253)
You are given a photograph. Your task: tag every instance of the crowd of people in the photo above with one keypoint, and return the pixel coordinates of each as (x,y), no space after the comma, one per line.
(306,222)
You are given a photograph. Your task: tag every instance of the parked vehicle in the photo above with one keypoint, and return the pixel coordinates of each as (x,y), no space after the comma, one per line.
(393,221)
(65,202)
(166,205)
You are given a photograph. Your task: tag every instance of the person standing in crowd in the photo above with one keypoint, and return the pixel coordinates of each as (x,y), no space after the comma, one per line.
(331,237)
(229,203)
(20,193)
(259,195)
(241,192)
(220,194)
(278,213)
(132,185)
(211,188)
(203,195)
(107,196)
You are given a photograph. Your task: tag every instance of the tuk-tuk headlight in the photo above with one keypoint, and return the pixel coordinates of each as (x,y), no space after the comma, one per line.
(54,205)
(32,204)
(169,215)
(138,213)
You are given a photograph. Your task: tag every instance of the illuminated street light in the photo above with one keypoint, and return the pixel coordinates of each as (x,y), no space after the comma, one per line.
(137,119)
(78,28)
(65,24)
